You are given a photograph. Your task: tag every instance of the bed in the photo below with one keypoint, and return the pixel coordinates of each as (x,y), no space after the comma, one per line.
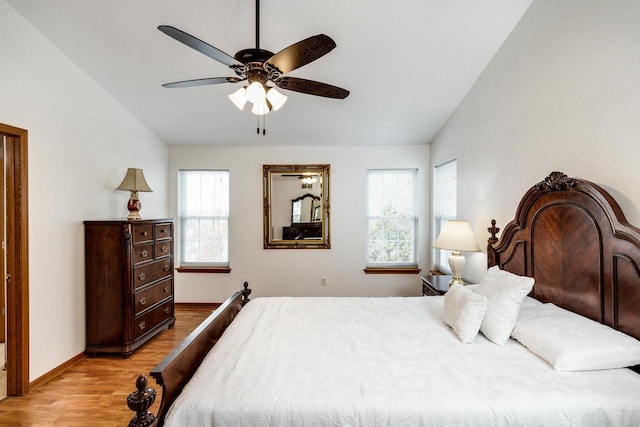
(394,362)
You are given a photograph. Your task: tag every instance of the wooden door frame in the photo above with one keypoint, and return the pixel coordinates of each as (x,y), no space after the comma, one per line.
(17,254)
(3,302)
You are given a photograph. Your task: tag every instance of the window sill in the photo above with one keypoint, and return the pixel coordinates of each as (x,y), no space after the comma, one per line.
(392,270)
(193,269)
(437,272)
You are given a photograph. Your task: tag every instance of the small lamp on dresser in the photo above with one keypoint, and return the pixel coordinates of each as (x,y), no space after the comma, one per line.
(456,236)
(134,181)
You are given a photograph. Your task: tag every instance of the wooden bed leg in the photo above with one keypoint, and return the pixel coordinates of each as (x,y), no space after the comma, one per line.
(139,402)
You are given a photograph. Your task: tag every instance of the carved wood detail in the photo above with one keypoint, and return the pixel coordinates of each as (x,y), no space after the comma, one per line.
(556,181)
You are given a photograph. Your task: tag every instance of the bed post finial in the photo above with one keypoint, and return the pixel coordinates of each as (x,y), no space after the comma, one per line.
(140,401)
(245,293)
(491,254)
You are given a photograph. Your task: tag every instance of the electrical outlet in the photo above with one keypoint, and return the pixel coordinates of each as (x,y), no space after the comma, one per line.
(323,281)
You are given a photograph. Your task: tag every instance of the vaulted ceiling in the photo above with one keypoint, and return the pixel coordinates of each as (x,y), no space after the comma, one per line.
(408,64)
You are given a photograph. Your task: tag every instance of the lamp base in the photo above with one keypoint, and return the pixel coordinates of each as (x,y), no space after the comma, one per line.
(134,216)
(456,262)
(134,206)
(456,281)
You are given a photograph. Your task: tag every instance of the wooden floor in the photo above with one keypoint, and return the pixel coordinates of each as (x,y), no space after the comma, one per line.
(93,392)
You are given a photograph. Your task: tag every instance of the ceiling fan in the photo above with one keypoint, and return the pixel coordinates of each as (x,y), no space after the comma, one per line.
(262,69)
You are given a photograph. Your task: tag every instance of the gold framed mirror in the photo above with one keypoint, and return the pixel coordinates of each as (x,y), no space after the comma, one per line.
(296,206)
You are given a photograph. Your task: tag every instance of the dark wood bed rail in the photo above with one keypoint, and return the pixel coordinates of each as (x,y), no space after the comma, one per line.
(177,368)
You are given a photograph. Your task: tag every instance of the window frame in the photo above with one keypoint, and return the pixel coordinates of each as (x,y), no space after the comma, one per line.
(201,267)
(393,267)
(440,217)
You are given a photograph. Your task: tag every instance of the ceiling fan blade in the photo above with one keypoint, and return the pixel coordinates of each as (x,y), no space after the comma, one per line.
(200,46)
(202,82)
(311,87)
(302,53)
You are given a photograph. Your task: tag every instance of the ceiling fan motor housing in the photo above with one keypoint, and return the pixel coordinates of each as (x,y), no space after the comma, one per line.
(247,56)
(255,60)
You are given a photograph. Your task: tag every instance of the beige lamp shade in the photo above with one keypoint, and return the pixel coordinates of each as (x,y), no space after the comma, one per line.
(457,236)
(134,181)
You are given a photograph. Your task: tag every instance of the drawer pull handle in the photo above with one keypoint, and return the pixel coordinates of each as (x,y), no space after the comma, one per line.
(142,301)
(142,325)
(141,276)
(166,267)
(167,310)
(167,289)
(144,253)
(163,230)
(164,249)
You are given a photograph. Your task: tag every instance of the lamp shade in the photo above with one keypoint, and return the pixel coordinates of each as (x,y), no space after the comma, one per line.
(239,98)
(256,93)
(457,236)
(134,181)
(260,108)
(276,99)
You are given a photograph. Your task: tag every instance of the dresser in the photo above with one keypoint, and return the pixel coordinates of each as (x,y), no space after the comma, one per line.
(128,283)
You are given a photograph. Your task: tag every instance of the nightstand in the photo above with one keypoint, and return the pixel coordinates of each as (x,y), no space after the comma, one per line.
(435,285)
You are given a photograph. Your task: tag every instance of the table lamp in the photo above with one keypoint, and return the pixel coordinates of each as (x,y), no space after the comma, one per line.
(134,181)
(456,236)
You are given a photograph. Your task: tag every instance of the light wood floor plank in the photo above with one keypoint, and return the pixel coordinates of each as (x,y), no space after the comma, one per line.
(93,392)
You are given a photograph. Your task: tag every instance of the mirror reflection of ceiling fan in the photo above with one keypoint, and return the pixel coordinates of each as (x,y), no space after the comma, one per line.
(262,70)
(307,178)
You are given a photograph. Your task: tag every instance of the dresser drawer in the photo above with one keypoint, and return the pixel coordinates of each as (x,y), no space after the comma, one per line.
(150,296)
(142,253)
(151,319)
(142,233)
(163,248)
(163,231)
(152,272)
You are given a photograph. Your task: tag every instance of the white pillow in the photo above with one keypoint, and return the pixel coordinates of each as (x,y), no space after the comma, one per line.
(529,302)
(464,311)
(570,342)
(504,292)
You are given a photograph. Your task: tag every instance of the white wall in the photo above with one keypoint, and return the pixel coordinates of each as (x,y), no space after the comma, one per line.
(275,272)
(80,145)
(563,93)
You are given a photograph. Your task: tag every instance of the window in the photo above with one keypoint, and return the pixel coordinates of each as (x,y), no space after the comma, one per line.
(391,219)
(204,219)
(445,195)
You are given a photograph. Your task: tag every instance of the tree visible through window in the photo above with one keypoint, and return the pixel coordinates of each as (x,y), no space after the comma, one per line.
(204,217)
(391,218)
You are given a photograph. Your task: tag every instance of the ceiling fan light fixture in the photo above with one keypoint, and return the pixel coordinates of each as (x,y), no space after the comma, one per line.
(255,93)
(260,108)
(276,99)
(239,98)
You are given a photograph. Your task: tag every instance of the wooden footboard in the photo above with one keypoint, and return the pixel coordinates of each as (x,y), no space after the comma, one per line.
(177,368)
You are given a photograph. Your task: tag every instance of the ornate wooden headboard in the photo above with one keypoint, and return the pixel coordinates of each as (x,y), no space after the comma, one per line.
(572,237)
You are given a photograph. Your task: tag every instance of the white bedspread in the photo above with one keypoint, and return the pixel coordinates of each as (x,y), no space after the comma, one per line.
(386,362)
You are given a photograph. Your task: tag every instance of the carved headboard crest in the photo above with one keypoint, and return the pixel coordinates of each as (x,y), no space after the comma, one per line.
(556,181)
